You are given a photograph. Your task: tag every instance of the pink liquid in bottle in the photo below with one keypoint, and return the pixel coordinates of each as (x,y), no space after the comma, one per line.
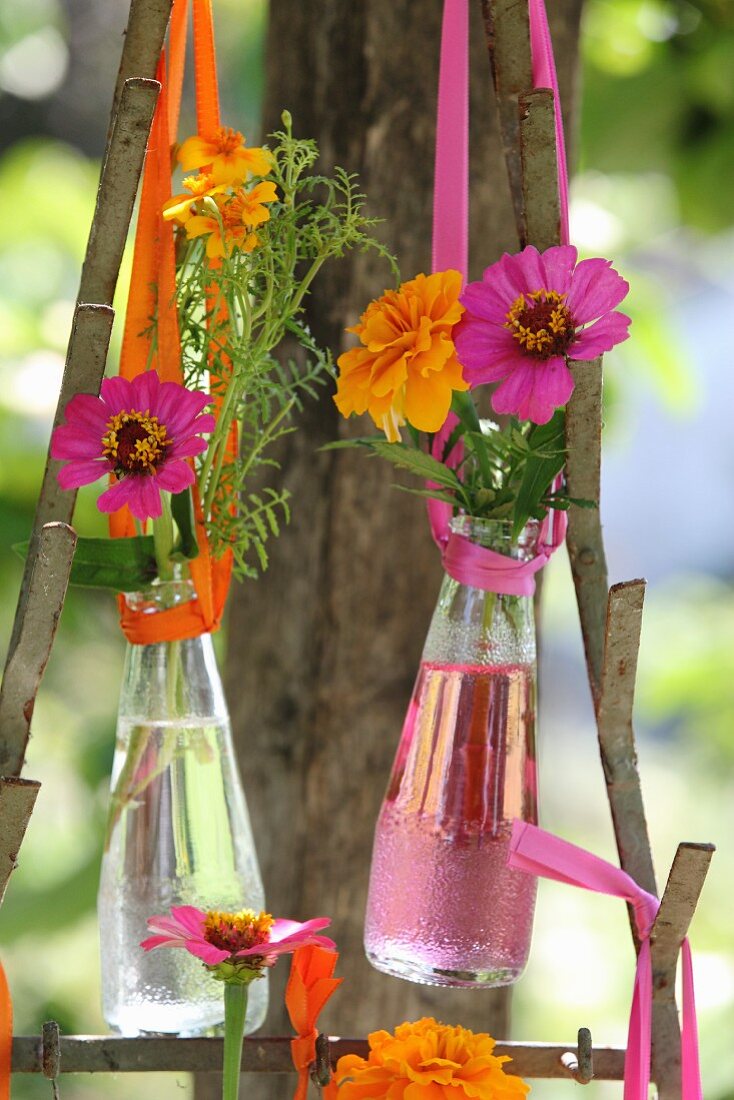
(443,907)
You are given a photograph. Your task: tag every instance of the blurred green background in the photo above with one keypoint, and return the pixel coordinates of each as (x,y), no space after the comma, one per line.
(654,192)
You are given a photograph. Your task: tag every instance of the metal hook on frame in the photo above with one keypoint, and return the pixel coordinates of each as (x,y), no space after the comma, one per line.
(51,1055)
(321,1067)
(580,1064)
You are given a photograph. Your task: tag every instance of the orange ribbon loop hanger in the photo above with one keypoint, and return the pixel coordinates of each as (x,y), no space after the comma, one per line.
(152,293)
(6,1036)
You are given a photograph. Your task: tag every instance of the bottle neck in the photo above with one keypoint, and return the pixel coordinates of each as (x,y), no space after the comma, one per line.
(496,534)
(161,595)
(476,628)
(176,681)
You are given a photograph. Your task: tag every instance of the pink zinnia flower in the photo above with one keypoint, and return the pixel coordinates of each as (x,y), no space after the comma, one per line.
(528,314)
(142,431)
(244,937)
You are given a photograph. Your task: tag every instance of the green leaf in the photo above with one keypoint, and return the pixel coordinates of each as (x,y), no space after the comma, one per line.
(125,565)
(344,444)
(182,507)
(417,462)
(430,494)
(547,454)
(404,457)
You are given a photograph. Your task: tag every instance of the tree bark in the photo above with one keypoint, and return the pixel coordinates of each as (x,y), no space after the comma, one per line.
(324,648)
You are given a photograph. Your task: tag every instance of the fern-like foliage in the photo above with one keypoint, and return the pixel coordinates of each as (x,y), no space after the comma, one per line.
(232,319)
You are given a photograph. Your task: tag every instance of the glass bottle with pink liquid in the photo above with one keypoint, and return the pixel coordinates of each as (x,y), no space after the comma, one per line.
(443,907)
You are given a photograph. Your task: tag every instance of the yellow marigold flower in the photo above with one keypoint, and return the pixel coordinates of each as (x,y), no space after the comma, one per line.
(249,205)
(224,156)
(427,1060)
(199,187)
(237,232)
(406,367)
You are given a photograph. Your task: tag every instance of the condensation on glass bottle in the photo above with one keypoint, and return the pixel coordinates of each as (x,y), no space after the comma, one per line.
(443,907)
(178,833)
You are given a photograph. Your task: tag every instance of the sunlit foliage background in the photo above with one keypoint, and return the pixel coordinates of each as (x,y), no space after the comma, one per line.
(653,191)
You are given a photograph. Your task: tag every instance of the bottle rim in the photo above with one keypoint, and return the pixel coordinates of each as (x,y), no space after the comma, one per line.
(496,534)
(161,594)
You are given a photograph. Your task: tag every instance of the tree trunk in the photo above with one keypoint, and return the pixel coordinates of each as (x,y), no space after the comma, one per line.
(324,648)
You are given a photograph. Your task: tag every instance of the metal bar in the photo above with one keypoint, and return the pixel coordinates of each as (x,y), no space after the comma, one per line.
(107,1054)
(683,889)
(541,201)
(17,799)
(118,186)
(48,579)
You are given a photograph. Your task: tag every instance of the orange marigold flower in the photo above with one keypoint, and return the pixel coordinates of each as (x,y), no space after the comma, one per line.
(427,1060)
(237,232)
(249,205)
(223,155)
(199,187)
(406,367)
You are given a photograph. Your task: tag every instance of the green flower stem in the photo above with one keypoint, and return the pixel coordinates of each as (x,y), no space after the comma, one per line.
(490,602)
(124,792)
(163,539)
(235,1010)
(308,278)
(217,449)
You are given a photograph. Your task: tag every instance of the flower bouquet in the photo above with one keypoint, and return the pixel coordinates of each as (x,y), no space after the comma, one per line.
(466,765)
(186,435)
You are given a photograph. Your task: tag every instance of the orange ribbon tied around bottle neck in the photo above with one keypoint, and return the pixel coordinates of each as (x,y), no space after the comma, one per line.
(152,294)
(310,985)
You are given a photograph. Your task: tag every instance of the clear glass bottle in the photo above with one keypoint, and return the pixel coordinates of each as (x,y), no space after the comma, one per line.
(178,833)
(443,908)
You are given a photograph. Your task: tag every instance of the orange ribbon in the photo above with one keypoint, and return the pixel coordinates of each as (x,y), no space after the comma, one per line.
(152,291)
(310,986)
(6,1036)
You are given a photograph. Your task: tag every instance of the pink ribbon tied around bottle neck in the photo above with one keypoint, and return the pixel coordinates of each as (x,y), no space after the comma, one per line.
(540,853)
(462,559)
(480,567)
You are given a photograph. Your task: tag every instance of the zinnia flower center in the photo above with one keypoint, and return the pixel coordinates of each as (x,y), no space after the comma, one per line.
(227,140)
(135,442)
(541,323)
(237,931)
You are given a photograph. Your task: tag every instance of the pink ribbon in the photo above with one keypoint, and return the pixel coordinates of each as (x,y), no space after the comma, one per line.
(540,853)
(462,559)
(544,76)
(475,565)
(451,173)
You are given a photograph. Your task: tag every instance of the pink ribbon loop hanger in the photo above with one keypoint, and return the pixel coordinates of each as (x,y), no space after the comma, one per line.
(462,559)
